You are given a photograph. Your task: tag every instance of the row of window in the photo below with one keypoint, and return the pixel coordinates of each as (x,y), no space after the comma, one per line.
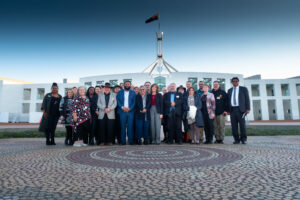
(285,91)
(272,110)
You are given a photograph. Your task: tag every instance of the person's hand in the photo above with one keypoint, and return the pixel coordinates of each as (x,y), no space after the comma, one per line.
(225,113)
(62,118)
(75,117)
(173,104)
(97,112)
(212,116)
(106,110)
(247,111)
(160,116)
(144,110)
(124,109)
(45,115)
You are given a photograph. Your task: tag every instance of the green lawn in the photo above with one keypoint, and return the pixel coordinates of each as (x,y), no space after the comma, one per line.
(251,131)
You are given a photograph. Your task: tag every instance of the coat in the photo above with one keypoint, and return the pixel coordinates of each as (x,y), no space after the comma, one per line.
(46,107)
(244,100)
(198,103)
(131,101)
(139,106)
(178,98)
(112,104)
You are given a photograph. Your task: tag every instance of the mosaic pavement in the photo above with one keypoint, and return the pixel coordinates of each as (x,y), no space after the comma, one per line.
(265,168)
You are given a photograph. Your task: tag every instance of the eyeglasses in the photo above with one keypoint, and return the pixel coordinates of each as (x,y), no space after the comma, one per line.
(142,89)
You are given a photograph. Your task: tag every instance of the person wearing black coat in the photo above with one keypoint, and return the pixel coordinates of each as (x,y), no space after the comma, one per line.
(142,116)
(93,97)
(220,113)
(156,112)
(173,108)
(238,107)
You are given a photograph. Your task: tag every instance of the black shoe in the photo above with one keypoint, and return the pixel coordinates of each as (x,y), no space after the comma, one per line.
(216,142)
(66,141)
(170,142)
(244,142)
(236,142)
(52,142)
(123,143)
(91,143)
(48,142)
(131,143)
(146,142)
(179,142)
(221,142)
(139,142)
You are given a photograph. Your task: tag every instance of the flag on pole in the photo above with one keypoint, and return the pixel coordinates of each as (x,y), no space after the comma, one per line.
(154,17)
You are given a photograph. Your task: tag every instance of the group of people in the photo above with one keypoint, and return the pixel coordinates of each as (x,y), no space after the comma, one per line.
(124,114)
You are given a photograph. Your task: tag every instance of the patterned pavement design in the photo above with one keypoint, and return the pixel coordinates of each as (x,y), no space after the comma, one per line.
(265,168)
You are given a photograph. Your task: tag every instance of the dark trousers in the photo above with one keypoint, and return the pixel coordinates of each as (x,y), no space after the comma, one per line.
(236,120)
(51,126)
(94,127)
(165,126)
(208,127)
(117,129)
(69,135)
(107,129)
(127,118)
(174,127)
(83,131)
(142,129)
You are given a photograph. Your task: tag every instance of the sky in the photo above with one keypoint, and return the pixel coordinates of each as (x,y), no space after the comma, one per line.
(48,40)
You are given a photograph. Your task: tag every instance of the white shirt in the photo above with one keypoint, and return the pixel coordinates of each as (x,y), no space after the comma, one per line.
(126,99)
(236,96)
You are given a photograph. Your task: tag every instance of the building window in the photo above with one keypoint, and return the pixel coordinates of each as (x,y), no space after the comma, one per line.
(272,109)
(222,83)
(298,89)
(130,80)
(40,93)
(38,107)
(88,84)
(160,81)
(194,82)
(207,81)
(285,90)
(270,90)
(287,109)
(99,83)
(25,107)
(26,93)
(255,90)
(113,83)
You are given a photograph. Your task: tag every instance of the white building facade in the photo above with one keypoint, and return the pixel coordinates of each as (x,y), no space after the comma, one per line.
(272,99)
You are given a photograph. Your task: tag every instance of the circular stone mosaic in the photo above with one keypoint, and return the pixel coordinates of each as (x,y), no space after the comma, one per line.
(151,157)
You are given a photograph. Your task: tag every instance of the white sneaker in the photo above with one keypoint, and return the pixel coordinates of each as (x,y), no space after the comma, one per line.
(76,144)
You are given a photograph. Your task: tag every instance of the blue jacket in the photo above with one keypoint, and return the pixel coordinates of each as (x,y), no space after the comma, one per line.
(131,101)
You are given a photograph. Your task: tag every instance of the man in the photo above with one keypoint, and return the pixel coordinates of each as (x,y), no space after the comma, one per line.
(147,86)
(117,129)
(106,103)
(200,90)
(173,108)
(239,107)
(126,104)
(220,113)
(165,119)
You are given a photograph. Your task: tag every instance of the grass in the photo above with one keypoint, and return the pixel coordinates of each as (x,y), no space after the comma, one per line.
(251,131)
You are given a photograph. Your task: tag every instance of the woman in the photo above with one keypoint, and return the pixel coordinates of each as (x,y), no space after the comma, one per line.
(156,112)
(93,103)
(193,105)
(208,111)
(94,108)
(50,108)
(66,115)
(81,117)
(142,116)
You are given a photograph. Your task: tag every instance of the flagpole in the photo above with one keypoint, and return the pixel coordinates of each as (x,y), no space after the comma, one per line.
(158,21)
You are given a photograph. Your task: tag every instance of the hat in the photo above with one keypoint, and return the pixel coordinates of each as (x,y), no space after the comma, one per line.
(181,87)
(107,85)
(117,86)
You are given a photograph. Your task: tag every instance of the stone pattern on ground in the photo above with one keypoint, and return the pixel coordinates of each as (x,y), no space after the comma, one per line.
(265,168)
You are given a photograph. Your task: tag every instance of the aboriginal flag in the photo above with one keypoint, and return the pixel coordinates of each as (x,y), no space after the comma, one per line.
(154,17)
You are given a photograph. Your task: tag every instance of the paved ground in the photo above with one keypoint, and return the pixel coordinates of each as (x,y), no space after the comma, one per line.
(265,168)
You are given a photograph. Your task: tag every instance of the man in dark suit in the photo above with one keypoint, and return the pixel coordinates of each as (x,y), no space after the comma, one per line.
(239,107)
(173,108)
(126,104)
